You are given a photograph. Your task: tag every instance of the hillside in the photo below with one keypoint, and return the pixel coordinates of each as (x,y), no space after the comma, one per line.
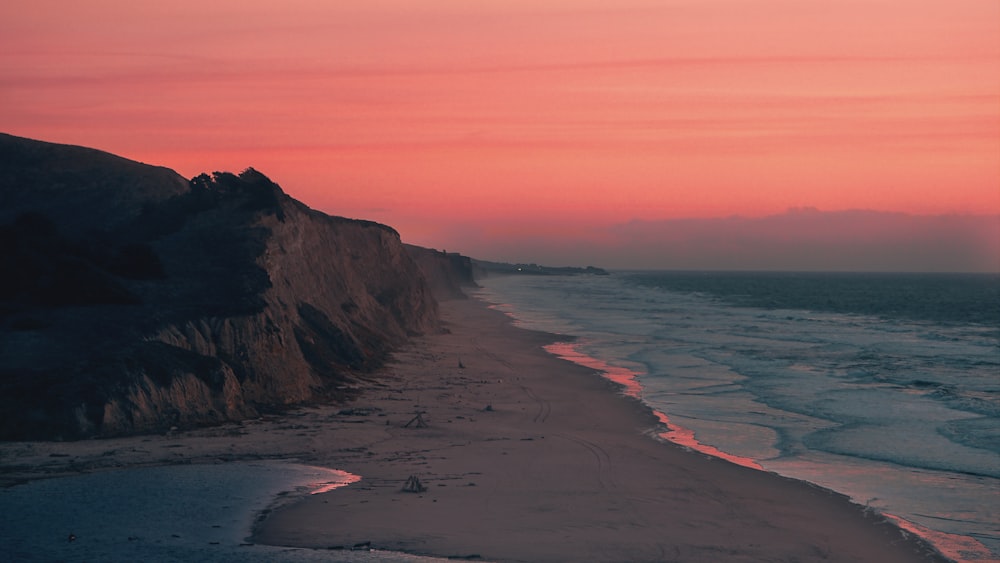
(134,300)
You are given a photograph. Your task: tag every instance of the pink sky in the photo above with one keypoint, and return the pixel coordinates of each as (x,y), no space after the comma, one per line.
(517,128)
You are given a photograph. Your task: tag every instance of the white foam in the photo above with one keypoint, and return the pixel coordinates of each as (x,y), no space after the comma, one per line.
(869,397)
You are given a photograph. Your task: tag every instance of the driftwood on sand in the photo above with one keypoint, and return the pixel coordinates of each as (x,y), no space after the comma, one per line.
(418,420)
(413,485)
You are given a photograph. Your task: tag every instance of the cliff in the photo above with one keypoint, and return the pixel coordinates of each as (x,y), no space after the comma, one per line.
(133,300)
(448,274)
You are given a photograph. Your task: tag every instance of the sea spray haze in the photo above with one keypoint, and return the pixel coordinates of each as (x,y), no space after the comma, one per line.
(884,387)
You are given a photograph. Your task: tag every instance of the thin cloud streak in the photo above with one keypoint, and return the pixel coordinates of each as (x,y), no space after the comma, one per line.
(225,70)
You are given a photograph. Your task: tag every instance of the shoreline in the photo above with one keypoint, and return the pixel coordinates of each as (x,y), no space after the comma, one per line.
(197,512)
(950,509)
(951,546)
(524,456)
(530,457)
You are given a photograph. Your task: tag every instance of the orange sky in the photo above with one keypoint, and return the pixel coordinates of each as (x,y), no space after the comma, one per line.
(545,120)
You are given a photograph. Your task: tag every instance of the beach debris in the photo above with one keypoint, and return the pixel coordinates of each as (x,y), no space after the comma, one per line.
(489,408)
(358,411)
(418,420)
(413,485)
(460,364)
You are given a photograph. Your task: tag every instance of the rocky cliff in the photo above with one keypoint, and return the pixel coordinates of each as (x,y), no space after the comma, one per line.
(133,300)
(448,274)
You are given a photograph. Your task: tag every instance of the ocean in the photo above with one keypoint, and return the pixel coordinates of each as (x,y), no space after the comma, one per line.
(883,387)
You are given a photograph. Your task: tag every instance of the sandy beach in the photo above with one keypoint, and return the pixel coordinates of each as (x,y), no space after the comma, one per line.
(521,456)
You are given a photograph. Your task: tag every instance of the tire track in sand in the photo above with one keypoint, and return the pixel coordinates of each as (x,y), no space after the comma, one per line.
(544,407)
(485,352)
(604,470)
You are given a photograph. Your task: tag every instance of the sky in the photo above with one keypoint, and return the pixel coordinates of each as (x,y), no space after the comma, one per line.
(628,134)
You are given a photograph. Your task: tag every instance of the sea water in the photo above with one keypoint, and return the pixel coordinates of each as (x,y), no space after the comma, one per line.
(884,387)
(193,512)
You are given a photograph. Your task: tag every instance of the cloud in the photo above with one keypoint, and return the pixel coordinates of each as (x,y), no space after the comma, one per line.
(808,239)
(803,239)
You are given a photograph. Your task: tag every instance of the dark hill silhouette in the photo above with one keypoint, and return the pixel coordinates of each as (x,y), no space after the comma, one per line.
(80,188)
(133,300)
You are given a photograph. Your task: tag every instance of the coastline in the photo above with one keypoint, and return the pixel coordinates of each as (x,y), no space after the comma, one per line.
(528,457)
(951,546)
(524,456)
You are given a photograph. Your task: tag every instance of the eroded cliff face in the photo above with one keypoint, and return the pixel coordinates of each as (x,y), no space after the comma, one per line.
(449,275)
(342,294)
(233,299)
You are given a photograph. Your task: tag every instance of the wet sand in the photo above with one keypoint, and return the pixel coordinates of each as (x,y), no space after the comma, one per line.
(524,457)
